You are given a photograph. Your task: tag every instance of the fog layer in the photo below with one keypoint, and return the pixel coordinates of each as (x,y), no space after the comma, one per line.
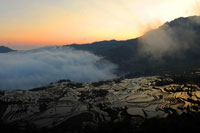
(34,68)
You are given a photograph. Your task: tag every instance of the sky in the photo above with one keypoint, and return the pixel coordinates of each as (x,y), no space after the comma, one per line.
(27,24)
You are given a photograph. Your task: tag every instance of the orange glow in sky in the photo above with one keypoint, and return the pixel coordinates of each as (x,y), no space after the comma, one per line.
(34,23)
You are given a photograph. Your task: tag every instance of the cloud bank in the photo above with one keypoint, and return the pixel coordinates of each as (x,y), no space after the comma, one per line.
(34,68)
(171,39)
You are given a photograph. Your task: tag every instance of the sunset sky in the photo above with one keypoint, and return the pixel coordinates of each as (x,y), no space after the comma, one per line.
(26,24)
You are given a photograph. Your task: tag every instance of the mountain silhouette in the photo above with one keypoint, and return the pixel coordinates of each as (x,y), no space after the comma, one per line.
(4,49)
(172,48)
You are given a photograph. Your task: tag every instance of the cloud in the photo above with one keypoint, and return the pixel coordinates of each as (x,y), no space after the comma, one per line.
(171,39)
(34,68)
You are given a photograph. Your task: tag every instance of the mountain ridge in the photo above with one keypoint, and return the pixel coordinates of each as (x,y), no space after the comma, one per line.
(4,49)
(133,55)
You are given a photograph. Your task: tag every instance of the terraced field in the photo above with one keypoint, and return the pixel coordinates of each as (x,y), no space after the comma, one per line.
(76,106)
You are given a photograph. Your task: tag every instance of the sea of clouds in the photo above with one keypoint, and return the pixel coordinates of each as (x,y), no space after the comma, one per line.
(35,68)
